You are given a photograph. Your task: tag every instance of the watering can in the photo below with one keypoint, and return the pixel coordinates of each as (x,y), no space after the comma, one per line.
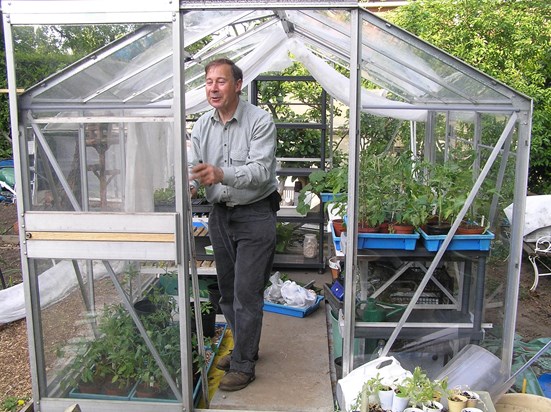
(376,312)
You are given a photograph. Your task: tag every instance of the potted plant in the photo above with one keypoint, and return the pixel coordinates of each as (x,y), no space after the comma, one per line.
(368,398)
(332,182)
(164,198)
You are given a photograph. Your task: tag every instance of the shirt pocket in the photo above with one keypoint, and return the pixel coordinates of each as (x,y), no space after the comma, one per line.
(238,157)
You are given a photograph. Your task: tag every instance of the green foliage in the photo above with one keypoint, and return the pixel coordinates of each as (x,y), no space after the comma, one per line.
(13,403)
(165,195)
(508,40)
(284,234)
(334,181)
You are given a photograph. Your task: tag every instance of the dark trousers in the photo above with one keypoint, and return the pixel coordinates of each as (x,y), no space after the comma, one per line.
(243,240)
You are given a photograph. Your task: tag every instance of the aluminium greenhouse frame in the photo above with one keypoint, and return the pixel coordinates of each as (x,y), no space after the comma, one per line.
(166,236)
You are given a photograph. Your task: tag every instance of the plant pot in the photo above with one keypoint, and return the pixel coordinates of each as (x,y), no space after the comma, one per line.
(95,386)
(433,406)
(470,229)
(208,321)
(399,403)
(365,228)
(114,389)
(401,228)
(335,266)
(338,226)
(435,228)
(472,398)
(386,398)
(456,403)
(383,227)
(144,307)
(214,296)
(144,390)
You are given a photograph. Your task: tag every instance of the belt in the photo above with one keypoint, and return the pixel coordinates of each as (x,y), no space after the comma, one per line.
(225,205)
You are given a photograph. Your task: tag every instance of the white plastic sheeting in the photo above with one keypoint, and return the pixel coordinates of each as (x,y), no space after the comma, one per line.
(537,217)
(53,285)
(273,54)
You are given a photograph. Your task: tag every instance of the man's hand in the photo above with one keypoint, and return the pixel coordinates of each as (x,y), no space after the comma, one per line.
(207,174)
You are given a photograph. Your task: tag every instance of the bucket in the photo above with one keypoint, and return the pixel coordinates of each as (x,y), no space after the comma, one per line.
(337,338)
(476,368)
(522,402)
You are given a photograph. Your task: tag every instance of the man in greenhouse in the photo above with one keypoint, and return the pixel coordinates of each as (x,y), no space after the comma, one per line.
(233,157)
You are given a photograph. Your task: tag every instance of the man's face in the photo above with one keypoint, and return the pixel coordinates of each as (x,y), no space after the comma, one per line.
(222,90)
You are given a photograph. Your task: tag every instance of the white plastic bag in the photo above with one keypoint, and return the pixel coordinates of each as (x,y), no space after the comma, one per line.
(349,387)
(272,293)
(297,296)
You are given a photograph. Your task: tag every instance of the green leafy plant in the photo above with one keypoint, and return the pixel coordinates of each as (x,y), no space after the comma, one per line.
(334,181)
(165,195)
(284,235)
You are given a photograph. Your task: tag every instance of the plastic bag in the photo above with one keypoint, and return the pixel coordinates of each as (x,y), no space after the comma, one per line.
(272,293)
(349,387)
(288,293)
(297,296)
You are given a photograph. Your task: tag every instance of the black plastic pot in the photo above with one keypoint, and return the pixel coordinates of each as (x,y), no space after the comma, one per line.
(214,297)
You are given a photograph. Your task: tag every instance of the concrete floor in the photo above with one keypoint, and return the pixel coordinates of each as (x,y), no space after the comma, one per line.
(293,372)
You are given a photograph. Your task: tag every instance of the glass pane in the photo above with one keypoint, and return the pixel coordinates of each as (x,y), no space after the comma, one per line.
(125,164)
(93,348)
(118,72)
(417,74)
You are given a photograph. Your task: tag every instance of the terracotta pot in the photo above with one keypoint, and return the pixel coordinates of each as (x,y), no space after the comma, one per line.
(383,228)
(365,228)
(91,387)
(470,229)
(402,228)
(113,389)
(339,227)
(147,391)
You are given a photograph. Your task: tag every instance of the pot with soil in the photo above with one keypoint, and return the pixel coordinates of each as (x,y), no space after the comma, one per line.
(470,229)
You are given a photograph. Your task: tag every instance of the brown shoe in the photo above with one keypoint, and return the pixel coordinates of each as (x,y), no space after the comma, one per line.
(235,380)
(224,363)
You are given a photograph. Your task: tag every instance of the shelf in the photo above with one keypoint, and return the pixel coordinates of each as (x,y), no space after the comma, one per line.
(311,217)
(295,171)
(421,323)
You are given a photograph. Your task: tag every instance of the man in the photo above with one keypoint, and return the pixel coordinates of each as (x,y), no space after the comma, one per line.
(233,156)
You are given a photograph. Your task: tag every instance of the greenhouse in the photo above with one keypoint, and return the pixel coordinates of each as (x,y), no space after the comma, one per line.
(98,143)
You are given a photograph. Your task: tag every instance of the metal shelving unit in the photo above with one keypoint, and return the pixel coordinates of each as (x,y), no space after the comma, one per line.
(293,260)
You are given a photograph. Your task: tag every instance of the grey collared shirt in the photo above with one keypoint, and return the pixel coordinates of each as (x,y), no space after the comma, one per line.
(244,148)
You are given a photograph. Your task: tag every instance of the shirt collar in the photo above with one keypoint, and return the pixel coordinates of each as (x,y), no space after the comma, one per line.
(238,115)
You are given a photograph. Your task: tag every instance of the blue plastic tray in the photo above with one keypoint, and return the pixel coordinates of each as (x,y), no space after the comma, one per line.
(291,311)
(459,242)
(381,241)
(545,383)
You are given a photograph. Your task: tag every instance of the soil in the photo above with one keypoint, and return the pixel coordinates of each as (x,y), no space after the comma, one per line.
(533,316)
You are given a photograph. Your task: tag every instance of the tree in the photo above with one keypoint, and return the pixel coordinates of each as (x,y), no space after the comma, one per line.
(506,39)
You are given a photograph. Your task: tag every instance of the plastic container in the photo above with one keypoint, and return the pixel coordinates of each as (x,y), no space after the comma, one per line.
(459,242)
(522,402)
(475,367)
(292,311)
(310,246)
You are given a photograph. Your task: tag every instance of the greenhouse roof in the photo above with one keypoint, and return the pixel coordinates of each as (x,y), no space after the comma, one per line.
(137,70)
